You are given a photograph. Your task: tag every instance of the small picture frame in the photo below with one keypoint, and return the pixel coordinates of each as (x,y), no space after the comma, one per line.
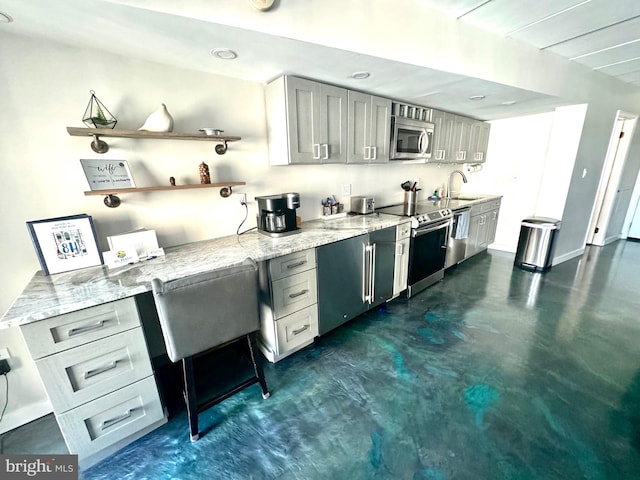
(65,243)
(107,174)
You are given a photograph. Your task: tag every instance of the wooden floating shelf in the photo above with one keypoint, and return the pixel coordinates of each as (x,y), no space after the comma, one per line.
(111,199)
(99,146)
(107,132)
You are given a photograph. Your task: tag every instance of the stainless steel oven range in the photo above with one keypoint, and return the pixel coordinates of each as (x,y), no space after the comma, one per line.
(430,226)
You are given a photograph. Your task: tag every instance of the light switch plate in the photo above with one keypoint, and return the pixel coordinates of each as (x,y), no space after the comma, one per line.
(4,354)
(346,189)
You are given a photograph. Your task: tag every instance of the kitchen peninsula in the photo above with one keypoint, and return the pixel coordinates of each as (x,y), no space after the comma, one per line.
(48,296)
(85,330)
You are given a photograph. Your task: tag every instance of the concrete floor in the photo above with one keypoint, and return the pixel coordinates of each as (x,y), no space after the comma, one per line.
(493,373)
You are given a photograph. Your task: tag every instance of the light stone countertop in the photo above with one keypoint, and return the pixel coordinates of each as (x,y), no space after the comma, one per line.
(50,295)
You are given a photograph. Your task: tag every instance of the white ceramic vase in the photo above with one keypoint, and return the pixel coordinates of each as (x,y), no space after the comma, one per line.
(159,121)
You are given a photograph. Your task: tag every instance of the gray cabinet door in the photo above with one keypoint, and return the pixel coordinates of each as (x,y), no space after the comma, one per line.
(478,142)
(316,117)
(330,136)
(385,252)
(380,129)
(368,127)
(302,101)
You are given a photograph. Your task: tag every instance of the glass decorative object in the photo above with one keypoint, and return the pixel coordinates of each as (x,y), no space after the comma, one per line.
(97,115)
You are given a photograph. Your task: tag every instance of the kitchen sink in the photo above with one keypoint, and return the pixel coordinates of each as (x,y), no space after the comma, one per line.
(467,197)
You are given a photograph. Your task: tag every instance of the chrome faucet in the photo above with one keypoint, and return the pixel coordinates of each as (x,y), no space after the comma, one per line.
(464,179)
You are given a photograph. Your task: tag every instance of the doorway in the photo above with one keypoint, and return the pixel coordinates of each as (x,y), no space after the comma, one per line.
(614,191)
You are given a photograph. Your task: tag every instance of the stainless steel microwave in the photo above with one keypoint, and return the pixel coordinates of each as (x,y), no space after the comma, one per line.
(411,139)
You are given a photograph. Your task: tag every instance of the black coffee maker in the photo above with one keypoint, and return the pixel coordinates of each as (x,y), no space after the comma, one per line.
(277,214)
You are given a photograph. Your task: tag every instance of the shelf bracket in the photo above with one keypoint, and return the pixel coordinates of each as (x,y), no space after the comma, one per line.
(99,146)
(221,149)
(112,201)
(225,192)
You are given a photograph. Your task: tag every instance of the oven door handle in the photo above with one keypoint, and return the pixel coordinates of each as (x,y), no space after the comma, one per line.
(419,232)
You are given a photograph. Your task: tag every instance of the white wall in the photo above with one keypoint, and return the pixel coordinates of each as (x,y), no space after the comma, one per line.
(531,160)
(46,89)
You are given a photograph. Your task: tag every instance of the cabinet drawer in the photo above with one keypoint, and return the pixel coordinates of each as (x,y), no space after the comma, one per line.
(294,293)
(291,264)
(96,425)
(480,208)
(297,329)
(77,328)
(77,376)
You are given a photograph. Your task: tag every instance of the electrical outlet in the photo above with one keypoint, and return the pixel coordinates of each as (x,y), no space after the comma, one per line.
(243,198)
(345,189)
(4,354)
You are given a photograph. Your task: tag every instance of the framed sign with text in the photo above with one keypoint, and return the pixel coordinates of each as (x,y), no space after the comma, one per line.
(107,174)
(65,243)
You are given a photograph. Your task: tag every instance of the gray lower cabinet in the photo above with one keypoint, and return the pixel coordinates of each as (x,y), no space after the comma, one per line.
(482,226)
(354,275)
(401,269)
(96,370)
(288,304)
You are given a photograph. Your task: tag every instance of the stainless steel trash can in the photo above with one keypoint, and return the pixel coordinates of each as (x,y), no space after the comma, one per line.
(536,243)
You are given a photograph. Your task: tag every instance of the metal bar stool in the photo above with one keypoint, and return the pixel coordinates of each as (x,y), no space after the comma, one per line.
(204,312)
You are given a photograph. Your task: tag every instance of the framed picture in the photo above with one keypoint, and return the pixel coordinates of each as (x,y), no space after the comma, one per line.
(65,243)
(107,174)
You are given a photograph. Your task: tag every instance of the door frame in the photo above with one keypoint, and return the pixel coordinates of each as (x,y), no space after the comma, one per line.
(610,179)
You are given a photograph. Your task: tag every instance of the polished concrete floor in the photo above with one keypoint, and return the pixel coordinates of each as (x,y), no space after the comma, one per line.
(493,373)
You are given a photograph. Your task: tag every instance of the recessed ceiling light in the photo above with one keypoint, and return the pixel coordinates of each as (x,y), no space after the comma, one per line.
(5,18)
(508,103)
(224,53)
(476,97)
(360,75)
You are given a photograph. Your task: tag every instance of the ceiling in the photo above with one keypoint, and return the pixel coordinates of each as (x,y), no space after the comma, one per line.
(603,35)
(588,32)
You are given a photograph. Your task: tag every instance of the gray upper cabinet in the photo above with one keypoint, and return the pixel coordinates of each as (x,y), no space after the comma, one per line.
(479,142)
(459,139)
(443,122)
(369,122)
(306,122)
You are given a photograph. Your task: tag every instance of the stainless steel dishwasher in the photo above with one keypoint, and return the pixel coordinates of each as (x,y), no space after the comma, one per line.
(458,237)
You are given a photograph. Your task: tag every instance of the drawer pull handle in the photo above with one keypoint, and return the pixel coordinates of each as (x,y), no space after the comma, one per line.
(296,265)
(302,292)
(300,330)
(87,328)
(98,371)
(113,421)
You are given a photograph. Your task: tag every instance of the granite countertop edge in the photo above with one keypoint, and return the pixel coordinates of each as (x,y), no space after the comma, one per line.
(47,296)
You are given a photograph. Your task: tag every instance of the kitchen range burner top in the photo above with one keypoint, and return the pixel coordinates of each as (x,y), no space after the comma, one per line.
(425,213)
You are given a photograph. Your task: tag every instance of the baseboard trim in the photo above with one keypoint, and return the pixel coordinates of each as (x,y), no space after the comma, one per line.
(568,256)
(21,416)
